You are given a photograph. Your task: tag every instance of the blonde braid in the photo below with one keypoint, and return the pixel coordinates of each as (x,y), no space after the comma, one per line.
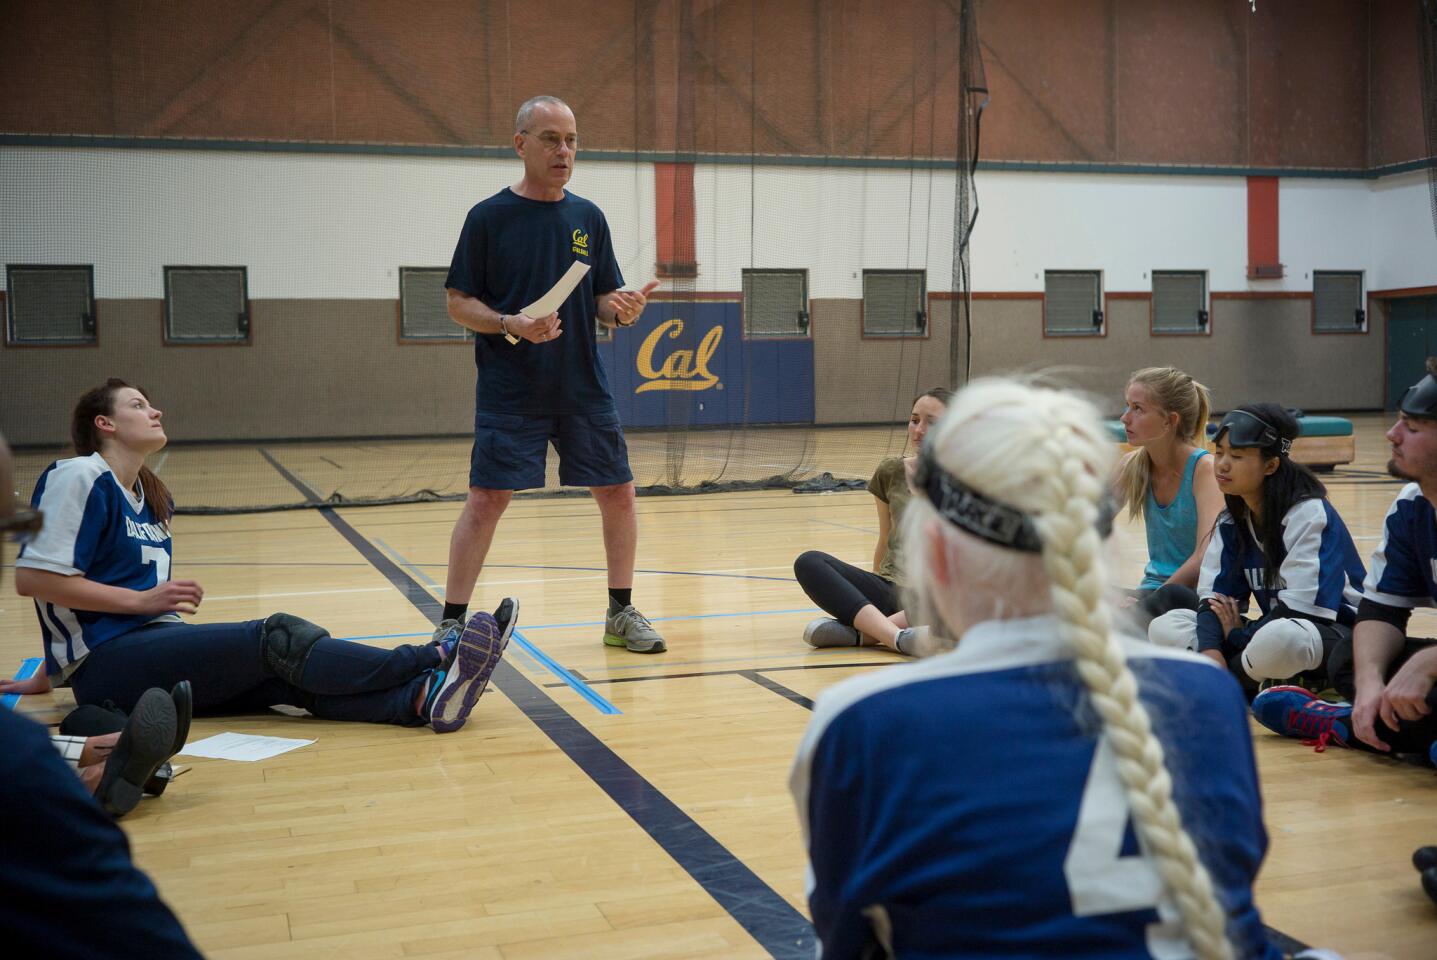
(1071,546)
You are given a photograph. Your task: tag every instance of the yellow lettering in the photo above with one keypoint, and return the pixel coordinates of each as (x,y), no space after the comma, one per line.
(682,369)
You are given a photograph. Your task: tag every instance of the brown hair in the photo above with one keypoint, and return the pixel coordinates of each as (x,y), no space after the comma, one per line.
(1174,392)
(942,394)
(100,402)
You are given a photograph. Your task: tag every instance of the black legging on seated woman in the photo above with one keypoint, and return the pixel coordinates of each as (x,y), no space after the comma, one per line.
(841,589)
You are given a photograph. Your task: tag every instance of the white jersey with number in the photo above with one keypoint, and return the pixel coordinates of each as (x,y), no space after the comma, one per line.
(96,529)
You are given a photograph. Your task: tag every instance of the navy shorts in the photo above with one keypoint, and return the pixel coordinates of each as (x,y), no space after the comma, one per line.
(509,450)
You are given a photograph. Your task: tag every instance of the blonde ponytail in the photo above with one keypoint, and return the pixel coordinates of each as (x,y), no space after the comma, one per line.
(1043,452)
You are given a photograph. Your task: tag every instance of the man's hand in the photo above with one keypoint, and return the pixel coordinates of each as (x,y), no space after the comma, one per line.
(1227,612)
(1405,697)
(541,330)
(179,596)
(629,304)
(1365,706)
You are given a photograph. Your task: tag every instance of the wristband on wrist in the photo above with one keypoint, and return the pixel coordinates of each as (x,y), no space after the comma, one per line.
(504,328)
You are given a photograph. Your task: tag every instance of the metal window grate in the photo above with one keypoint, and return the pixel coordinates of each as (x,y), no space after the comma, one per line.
(206,305)
(1337,301)
(775,303)
(49,304)
(893,303)
(1179,301)
(424,306)
(1072,303)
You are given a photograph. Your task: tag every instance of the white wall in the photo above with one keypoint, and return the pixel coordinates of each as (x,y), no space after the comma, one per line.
(336,227)
(306,225)
(1404,243)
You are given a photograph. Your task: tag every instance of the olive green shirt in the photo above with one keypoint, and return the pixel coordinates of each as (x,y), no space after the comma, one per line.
(890,484)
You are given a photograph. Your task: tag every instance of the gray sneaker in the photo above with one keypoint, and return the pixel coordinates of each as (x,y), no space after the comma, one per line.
(828,632)
(447,630)
(909,640)
(631,630)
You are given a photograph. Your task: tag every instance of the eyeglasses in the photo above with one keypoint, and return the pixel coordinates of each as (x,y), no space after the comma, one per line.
(552,141)
(23,526)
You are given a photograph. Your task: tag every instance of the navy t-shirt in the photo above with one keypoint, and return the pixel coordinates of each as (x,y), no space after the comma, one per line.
(69,889)
(511,251)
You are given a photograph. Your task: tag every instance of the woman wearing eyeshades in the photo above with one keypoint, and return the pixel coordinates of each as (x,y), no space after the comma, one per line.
(1281,545)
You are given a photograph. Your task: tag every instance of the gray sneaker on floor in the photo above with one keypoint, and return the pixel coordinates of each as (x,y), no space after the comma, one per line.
(631,630)
(828,632)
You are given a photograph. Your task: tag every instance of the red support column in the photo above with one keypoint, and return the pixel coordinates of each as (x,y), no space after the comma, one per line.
(1263,262)
(674,212)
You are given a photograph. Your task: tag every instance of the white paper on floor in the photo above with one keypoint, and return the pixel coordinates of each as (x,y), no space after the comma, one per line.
(242,746)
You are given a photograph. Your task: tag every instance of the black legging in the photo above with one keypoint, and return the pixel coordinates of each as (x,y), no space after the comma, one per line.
(842,589)
(1413,736)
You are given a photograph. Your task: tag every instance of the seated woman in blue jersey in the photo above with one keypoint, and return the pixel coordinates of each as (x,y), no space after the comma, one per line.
(863,606)
(110,615)
(1279,543)
(1035,790)
(1168,481)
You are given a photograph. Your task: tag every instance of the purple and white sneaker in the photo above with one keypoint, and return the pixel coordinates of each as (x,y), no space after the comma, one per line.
(458,684)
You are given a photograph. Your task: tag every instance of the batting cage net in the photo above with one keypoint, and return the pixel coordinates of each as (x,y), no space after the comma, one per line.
(250,209)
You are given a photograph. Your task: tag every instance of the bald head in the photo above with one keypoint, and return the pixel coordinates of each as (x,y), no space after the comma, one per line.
(533,106)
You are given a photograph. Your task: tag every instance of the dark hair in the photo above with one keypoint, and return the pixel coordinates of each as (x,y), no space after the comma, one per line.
(1290,484)
(942,394)
(100,402)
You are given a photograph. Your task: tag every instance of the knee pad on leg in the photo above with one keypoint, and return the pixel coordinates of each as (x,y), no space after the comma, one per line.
(1283,649)
(1176,629)
(287,641)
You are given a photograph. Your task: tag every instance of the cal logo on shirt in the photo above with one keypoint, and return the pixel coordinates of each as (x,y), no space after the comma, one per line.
(581,242)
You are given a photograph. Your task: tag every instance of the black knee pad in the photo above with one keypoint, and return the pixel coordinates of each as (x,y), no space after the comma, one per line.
(287,641)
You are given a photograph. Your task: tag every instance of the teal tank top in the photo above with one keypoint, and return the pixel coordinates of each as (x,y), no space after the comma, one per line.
(1172,530)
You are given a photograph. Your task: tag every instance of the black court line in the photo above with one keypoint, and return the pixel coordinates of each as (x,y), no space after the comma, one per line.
(778,688)
(780,929)
(736,672)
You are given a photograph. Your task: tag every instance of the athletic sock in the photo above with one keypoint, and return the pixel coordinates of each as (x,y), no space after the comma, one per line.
(454,611)
(620,598)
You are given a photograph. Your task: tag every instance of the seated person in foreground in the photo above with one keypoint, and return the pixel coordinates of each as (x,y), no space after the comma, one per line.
(1036,790)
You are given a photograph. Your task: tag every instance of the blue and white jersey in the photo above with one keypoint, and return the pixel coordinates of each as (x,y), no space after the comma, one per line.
(964,806)
(96,529)
(1321,571)
(1404,565)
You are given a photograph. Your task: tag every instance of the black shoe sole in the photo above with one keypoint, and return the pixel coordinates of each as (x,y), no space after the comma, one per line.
(142,747)
(184,700)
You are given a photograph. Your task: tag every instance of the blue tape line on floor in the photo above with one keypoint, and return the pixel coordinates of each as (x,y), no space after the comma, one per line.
(28,668)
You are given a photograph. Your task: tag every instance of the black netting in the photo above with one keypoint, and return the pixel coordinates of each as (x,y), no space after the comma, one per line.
(257,205)
(1428,27)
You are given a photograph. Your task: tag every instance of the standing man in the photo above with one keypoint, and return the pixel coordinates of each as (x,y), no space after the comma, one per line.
(1393,681)
(540,378)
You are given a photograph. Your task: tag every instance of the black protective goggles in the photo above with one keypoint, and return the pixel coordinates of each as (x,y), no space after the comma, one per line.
(983,517)
(23,526)
(1245,429)
(1420,400)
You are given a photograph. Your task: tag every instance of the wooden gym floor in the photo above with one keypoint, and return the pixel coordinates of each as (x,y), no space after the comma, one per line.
(603,804)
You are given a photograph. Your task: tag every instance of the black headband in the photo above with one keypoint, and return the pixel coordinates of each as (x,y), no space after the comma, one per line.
(1420,400)
(1249,430)
(983,517)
